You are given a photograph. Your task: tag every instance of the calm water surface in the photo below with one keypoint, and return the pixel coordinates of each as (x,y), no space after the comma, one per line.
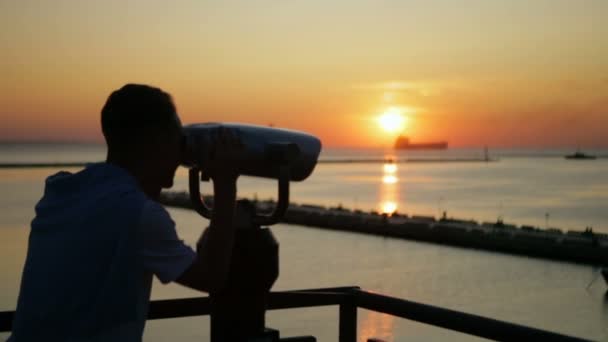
(522,188)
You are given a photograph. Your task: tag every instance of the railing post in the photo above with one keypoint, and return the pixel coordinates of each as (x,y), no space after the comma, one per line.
(348,320)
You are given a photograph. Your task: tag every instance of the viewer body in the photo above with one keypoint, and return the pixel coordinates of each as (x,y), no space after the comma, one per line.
(99,235)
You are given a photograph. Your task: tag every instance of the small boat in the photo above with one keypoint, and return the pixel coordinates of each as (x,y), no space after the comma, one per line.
(580,155)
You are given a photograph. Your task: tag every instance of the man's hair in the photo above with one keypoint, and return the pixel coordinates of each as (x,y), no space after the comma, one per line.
(131,109)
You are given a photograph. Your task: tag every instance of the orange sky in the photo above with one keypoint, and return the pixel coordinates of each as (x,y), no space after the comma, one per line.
(502,73)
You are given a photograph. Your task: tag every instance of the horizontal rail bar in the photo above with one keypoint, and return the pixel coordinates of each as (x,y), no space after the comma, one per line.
(299,299)
(455,320)
(183,307)
(436,316)
(341,289)
(201,306)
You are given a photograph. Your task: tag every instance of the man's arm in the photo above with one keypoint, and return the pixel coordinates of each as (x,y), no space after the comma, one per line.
(209,271)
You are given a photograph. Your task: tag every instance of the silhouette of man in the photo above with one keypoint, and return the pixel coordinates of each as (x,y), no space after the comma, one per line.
(99,235)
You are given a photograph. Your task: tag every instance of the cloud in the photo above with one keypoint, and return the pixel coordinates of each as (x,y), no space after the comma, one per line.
(419,88)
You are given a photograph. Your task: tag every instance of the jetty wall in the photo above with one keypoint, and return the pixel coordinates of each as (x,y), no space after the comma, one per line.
(582,247)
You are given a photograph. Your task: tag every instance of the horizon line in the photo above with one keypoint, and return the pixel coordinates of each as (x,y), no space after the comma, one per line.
(457,147)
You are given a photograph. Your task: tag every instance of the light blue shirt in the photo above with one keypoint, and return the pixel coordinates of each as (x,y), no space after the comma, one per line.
(94,246)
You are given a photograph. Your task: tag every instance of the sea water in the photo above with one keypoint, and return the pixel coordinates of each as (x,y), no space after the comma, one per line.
(538,188)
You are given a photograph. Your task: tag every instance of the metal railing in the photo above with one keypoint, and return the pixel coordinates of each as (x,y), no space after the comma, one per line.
(349,299)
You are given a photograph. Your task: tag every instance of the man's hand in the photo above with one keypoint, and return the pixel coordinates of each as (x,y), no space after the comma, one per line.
(226,151)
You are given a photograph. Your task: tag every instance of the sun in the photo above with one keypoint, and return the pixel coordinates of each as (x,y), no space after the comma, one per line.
(392,120)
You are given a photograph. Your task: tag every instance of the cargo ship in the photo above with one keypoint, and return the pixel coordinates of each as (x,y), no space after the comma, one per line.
(580,156)
(403,143)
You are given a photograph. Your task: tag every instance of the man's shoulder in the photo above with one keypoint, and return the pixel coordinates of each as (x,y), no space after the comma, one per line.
(116,187)
(100,193)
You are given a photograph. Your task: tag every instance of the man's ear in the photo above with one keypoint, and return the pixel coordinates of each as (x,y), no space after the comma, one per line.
(151,138)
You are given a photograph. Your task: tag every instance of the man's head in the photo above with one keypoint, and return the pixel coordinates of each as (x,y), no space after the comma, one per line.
(143,133)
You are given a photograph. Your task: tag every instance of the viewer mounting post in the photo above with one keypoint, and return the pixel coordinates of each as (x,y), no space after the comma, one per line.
(238,310)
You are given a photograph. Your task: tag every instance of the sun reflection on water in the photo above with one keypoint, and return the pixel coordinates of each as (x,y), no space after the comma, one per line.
(389,179)
(377,325)
(389,207)
(390,168)
(389,198)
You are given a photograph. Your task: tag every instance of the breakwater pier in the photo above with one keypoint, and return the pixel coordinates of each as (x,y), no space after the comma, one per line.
(576,246)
